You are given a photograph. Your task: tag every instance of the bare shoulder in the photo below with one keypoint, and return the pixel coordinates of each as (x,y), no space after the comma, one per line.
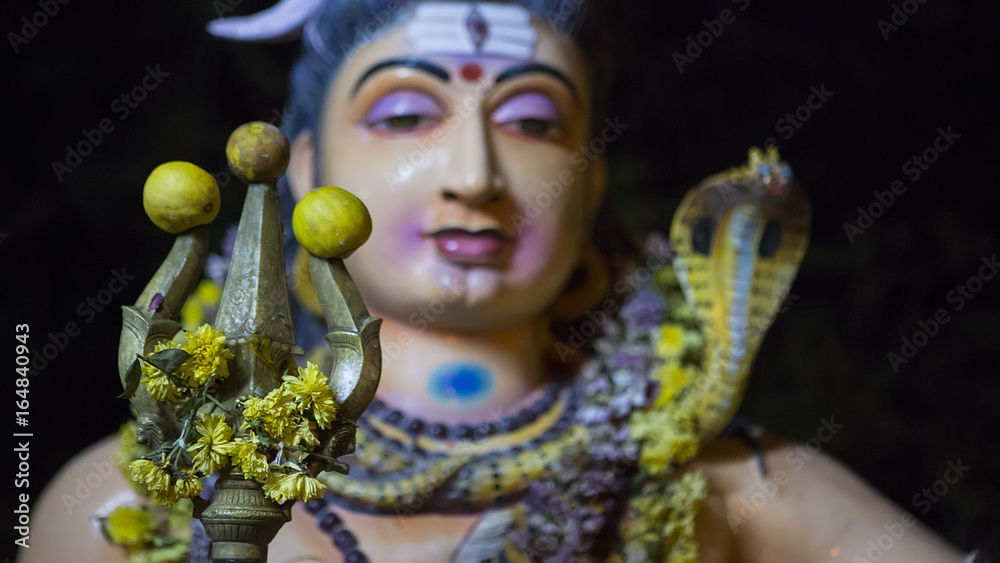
(806,506)
(64,523)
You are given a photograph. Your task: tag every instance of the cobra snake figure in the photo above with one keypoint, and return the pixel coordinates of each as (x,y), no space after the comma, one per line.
(739,237)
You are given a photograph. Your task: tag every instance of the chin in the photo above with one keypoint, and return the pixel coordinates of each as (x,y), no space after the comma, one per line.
(474,300)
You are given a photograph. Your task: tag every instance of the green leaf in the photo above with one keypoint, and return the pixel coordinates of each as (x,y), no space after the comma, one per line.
(169,360)
(132,378)
(264,439)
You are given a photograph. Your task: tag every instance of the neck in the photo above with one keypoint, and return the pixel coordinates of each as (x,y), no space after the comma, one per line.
(459,378)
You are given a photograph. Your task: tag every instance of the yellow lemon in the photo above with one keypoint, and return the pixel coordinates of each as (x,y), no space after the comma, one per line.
(179,196)
(330,222)
(258,152)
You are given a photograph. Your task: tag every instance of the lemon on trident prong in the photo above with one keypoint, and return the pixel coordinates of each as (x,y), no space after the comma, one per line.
(257,152)
(179,196)
(331,222)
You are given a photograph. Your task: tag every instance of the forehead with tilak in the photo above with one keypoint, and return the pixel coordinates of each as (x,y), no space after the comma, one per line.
(468,35)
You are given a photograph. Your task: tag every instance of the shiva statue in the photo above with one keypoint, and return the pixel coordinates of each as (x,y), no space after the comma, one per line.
(550,390)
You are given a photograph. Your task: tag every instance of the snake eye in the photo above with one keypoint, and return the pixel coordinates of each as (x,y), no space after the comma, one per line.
(701,235)
(770,240)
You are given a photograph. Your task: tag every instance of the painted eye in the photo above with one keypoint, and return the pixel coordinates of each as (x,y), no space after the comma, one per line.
(770,240)
(701,235)
(530,114)
(404,111)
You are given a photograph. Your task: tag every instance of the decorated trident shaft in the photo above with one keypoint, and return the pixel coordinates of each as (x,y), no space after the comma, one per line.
(229,398)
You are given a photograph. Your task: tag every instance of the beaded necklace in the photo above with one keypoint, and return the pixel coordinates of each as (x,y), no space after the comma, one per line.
(556,495)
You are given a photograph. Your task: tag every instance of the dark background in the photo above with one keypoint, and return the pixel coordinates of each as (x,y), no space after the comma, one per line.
(826,355)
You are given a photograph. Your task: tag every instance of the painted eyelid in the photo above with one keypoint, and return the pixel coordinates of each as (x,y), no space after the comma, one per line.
(529,105)
(402,103)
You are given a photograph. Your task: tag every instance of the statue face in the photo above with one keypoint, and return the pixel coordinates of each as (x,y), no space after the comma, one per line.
(472,169)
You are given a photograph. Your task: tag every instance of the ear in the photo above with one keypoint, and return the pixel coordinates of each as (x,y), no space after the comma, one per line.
(301,166)
(598,182)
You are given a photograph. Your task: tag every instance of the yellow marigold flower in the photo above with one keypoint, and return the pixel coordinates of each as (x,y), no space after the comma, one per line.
(165,497)
(129,527)
(150,474)
(187,486)
(253,409)
(275,412)
(673,377)
(127,452)
(313,390)
(666,438)
(161,387)
(298,486)
(252,463)
(210,449)
(664,522)
(669,342)
(209,355)
(162,488)
(686,496)
(301,433)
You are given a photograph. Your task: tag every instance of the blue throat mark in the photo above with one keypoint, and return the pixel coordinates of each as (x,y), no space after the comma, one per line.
(464,382)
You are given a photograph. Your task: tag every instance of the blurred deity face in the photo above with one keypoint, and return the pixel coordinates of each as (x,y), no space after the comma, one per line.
(461,128)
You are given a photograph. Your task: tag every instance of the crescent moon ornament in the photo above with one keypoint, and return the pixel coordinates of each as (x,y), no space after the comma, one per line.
(283,21)
(739,237)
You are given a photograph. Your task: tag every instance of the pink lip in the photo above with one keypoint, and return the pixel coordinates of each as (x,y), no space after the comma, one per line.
(466,247)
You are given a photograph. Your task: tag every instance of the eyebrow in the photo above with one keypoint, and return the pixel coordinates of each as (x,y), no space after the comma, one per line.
(536,67)
(409,62)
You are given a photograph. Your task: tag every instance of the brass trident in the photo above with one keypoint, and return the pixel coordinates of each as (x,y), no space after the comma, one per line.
(239,519)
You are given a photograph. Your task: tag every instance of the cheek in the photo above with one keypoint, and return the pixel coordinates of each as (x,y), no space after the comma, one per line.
(549,242)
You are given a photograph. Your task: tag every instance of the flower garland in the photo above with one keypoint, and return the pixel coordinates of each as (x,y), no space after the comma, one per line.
(278,431)
(639,437)
(664,504)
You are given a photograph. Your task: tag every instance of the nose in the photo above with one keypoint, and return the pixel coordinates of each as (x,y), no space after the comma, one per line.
(472,176)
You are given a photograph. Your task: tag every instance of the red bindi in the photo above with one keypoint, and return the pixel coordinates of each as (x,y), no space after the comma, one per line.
(471,71)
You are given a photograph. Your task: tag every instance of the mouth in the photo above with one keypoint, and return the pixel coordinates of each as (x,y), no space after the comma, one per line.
(461,246)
